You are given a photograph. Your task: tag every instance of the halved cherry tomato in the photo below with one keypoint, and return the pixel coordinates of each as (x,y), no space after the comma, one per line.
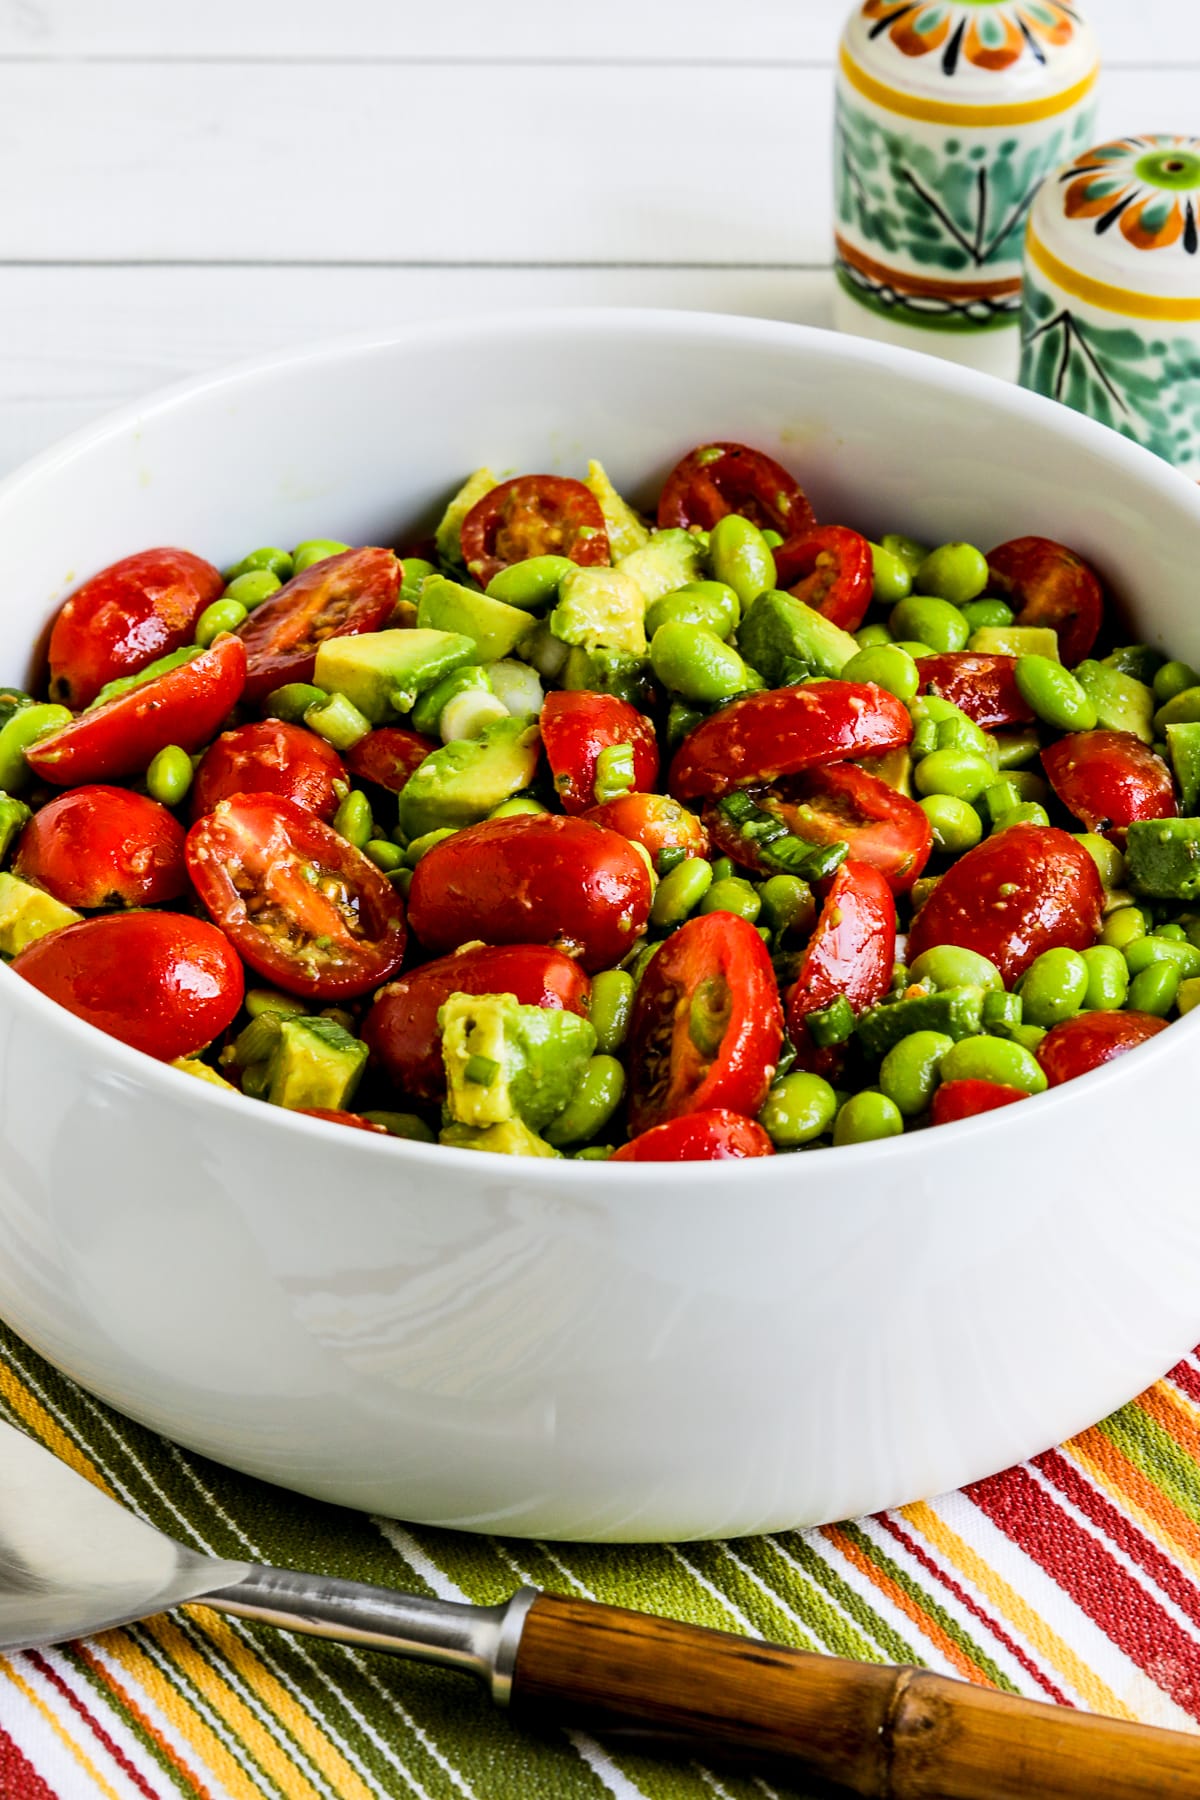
(185,707)
(162,982)
(832,569)
(967,1099)
(1027,889)
(984,687)
(535,515)
(840,804)
(698,1137)
(707,1026)
(343,596)
(389,756)
(653,820)
(1108,779)
(853,949)
(103,846)
(270,757)
(535,879)
(129,615)
(761,737)
(576,727)
(716,479)
(402,1028)
(1047,584)
(302,906)
(1090,1040)
(343,1118)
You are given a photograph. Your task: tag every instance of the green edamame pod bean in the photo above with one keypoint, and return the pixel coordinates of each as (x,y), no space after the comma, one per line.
(277,562)
(520,806)
(169,776)
(1110,864)
(1158,949)
(221,616)
(353,820)
(1124,927)
(679,893)
(741,557)
(914,648)
(427,840)
(1155,990)
(1053,988)
(1054,694)
(930,621)
(869,637)
(18,733)
(951,966)
(910,553)
(1108,979)
(956,826)
(995,1059)
(787,902)
(1173,931)
(338,721)
(954,572)
(293,700)
(1029,786)
(867,1116)
(1014,749)
(709,603)
(384,854)
(612,1004)
(1172,679)
(723,869)
(893,577)
(734,896)
(1028,1036)
(691,661)
(315,550)
(987,613)
(908,1074)
(531,585)
(595,1100)
(797,1110)
(888,667)
(252,588)
(1183,709)
(960,773)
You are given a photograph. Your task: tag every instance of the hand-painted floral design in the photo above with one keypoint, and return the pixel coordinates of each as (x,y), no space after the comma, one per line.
(1148,186)
(988,34)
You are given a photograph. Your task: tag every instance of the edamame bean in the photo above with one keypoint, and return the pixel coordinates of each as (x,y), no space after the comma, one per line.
(291,701)
(930,621)
(680,892)
(694,662)
(708,603)
(169,776)
(1054,694)
(951,966)
(531,585)
(959,773)
(385,855)
(1107,858)
(888,667)
(1108,979)
(723,869)
(954,572)
(221,616)
(1173,678)
(18,733)
(869,637)
(276,561)
(908,1074)
(741,558)
(252,588)
(1155,990)
(866,1117)
(961,733)
(1157,949)
(956,826)
(1029,786)
(798,1109)
(416,572)
(1171,930)
(1124,927)
(338,721)
(595,1100)
(893,577)
(1015,748)
(353,820)
(520,806)
(1183,709)
(914,648)
(787,902)
(995,1059)
(987,614)
(315,550)
(734,896)
(910,553)
(612,1003)
(420,846)
(1053,988)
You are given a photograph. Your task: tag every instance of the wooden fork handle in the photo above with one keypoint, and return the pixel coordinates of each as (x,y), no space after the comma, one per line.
(890,1734)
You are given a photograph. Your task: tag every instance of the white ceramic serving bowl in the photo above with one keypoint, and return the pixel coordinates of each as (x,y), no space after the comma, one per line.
(573,1350)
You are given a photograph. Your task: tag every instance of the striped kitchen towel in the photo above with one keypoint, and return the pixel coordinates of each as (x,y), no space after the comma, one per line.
(1075,1579)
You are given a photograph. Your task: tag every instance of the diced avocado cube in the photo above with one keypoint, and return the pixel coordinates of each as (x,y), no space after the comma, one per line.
(1183,748)
(315,1063)
(608,672)
(382,672)
(626,531)
(510,1139)
(494,627)
(784,640)
(1180,709)
(506,1061)
(1014,640)
(464,781)
(14,816)
(670,560)
(956,1011)
(26,914)
(1163,858)
(600,609)
(449,532)
(191,1065)
(1121,702)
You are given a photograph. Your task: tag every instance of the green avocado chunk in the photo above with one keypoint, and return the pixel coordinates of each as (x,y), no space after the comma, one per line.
(200,1071)
(626,531)
(448,536)
(785,640)
(600,609)
(494,627)
(510,1139)
(956,1011)
(505,1061)
(1163,858)
(1121,702)
(1183,748)
(315,1063)
(608,672)
(382,672)
(1014,640)
(26,914)
(465,780)
(670,560)
(14,816)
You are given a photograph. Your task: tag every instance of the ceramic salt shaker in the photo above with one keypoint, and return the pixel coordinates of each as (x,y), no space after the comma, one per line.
(1111,322)
(950,113)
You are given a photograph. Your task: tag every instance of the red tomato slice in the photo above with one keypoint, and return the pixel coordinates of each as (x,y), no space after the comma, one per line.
(389,756)
(303,907)
(161,982)
(1047,584)
(967,1099)
(129,615)
(270,757)
(343,1118)
(984,687)
(1092,1039)
(576,727)
(1108,779)
(840,804)
(755,740)
(1027,889)
(535,879)
(402,1028)
(341,597)
(535,515)
(832,569)
(707,1026)
(853,949)
(698,1137)
(103,846)
(716,479)
(185,707)
(653,820)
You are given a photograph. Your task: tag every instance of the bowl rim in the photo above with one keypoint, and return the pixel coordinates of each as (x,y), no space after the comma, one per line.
(582,323)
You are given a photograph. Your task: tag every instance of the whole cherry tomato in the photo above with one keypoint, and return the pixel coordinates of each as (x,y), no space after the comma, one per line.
(103,846)
(161,982)
(698,1137)
(535,515)
(302,906)
(576,727)
(832,569)
(534,879)
(707,1026)
(840,804)
(716,479)
(129,615)
(185,707)
(1047,584)
(984,687)
(1027,889)
(1108,779)
(270,757)
(755,740)
(853,949)
(1090,1040)
(389,756)
(343,1118)
(343,596)
(967,1099)
(402,1027)
(653,820)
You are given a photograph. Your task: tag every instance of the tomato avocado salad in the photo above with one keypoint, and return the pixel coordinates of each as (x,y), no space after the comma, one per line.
(569,833)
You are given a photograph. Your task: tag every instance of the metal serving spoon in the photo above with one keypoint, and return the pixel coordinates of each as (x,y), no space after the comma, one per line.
(73,1562)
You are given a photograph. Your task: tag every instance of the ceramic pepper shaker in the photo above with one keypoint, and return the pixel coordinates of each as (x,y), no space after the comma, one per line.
(1111,321)
(949,115)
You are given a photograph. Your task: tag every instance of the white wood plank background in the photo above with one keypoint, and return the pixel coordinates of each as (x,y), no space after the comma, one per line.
(184,186)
